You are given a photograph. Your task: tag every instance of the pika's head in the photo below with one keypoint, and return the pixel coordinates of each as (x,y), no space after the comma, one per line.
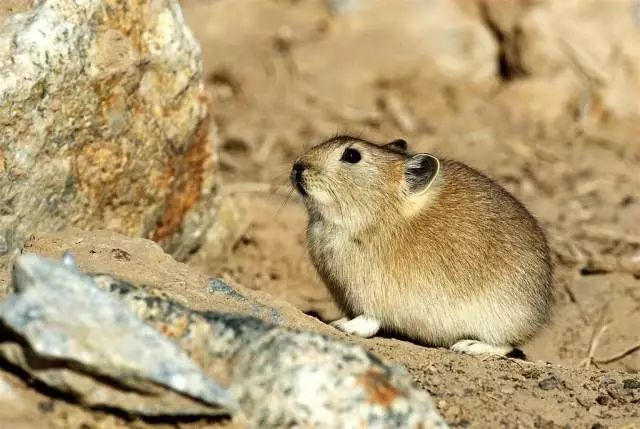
(354,183)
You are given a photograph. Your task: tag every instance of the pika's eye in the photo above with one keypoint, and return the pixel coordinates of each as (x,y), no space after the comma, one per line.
(351,156)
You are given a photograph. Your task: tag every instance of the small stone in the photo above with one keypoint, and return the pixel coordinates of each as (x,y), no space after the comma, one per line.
(453,414)
(4,247)
(542,423)
(631,383)
(631,263)
(549,383)
(435,380)
(508,390)
(601,264)
(259,310)
(46,406)
(607,381)
(532,372)
(584,400)
(120,255)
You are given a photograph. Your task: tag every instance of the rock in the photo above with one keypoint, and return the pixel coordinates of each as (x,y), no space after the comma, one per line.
(631,263)
(105,123)
(549,383)
(258,309)
(278,377)
(631,383)
(285,378)
(546,40)
(600,264)
(80,340)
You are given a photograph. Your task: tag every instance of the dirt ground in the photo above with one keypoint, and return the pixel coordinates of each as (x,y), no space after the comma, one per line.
(286,74)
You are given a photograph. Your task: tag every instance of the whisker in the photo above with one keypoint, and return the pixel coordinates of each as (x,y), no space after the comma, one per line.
(254,188)
(284,203)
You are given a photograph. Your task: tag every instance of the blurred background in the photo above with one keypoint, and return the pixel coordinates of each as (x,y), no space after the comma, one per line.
(544,96)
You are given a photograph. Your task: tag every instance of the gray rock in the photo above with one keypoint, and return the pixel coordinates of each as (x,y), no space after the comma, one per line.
(104,123)
(549,383)
(277,377)
(79,339)
(258,309)
(631,383)
(284,378)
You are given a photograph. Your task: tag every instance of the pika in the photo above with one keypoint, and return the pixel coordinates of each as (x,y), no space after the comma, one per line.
(425,248)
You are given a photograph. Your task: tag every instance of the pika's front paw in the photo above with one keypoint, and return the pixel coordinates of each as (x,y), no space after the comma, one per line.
(362,326)
(478,348)
(338,322)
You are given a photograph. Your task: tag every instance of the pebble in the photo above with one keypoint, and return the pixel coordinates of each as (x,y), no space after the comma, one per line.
(631,383)
(508,390)
(548,383)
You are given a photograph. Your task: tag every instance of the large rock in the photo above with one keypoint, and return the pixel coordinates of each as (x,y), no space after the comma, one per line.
(581,56)
(75,331)
(104,123)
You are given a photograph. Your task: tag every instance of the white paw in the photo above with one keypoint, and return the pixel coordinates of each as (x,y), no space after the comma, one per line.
(362,326)
(478,348)
(340,321)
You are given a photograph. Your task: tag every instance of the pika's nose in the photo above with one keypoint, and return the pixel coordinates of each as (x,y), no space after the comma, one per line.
(299,167)
(296,176)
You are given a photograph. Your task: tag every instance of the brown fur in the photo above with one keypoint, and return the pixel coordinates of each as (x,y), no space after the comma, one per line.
(465,248)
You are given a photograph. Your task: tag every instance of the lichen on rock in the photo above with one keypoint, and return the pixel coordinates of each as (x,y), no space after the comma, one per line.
(105,123)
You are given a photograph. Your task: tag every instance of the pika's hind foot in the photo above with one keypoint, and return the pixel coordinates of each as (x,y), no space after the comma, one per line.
(478,348)
(362,326)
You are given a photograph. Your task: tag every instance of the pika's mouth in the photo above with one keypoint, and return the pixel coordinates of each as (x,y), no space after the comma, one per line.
(296,178)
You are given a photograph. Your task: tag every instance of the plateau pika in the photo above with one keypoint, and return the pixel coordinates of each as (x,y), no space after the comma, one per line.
(422,247)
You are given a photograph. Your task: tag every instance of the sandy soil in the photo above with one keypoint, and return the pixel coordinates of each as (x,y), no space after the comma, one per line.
(287,74)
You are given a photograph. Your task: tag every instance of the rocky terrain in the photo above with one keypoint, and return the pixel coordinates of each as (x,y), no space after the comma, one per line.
(184,133)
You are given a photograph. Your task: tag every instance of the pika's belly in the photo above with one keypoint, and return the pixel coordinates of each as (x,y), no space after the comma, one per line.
(425,314)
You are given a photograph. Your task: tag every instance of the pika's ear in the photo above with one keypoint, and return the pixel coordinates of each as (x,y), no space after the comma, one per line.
(420,171)
(399,145)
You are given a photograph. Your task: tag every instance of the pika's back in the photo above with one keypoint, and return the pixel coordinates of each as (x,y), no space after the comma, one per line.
(470,209)
(493,239)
